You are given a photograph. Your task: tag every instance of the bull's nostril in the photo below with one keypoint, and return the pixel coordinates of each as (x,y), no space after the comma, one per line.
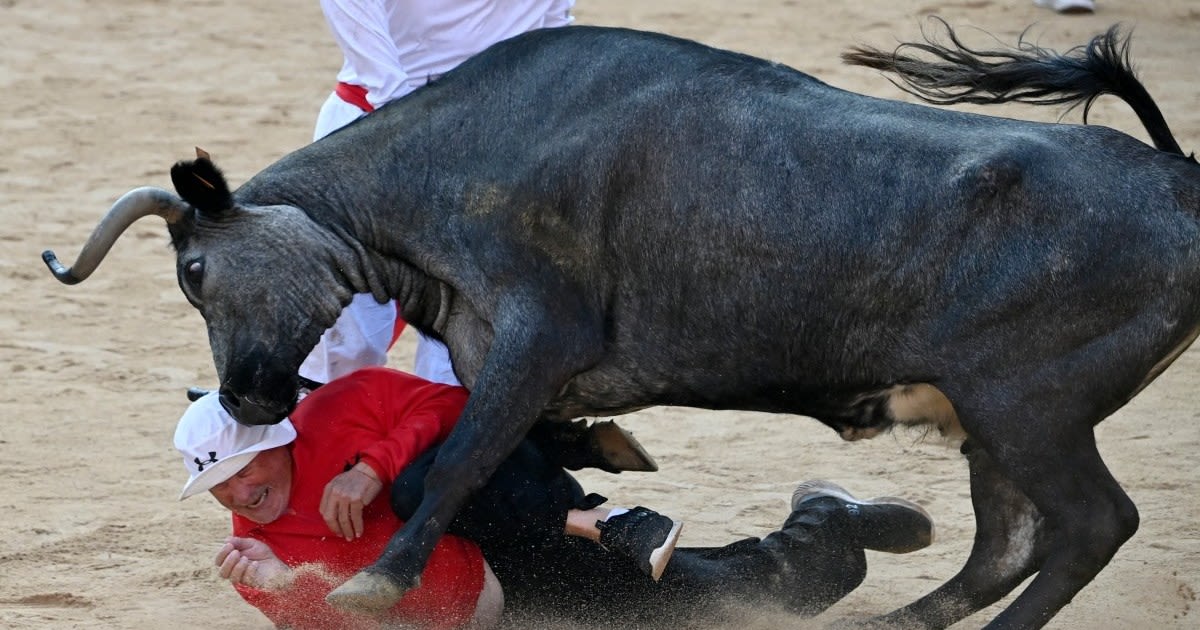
(249,411)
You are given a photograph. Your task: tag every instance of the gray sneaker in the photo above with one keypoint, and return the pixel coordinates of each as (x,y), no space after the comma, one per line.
(887,524)
(643,535)
(1067,6)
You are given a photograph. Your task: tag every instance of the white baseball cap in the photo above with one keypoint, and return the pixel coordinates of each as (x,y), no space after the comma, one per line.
(215,446)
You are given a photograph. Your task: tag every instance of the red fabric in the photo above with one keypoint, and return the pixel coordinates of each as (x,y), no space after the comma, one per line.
(356,95)
(384,418)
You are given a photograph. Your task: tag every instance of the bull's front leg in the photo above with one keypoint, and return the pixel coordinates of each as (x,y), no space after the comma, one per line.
(529,362)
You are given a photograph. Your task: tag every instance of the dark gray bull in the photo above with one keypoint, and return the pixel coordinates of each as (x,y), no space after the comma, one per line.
(600,220)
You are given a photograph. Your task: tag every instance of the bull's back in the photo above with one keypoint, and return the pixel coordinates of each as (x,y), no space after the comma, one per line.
(844,241)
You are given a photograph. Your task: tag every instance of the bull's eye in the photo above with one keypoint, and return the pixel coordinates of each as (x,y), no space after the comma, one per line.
(193,272)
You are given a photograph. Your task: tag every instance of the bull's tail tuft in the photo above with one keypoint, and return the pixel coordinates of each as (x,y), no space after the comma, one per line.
(1028,73)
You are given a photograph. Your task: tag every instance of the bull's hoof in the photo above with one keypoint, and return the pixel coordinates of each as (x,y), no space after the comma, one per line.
(366,593)
(620,450)
(603,445)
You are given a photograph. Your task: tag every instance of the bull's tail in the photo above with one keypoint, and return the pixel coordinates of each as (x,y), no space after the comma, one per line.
(1027,73)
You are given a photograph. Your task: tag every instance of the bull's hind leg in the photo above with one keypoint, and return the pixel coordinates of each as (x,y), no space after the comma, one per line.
(1046,449)
(1088,513)
(1010,542)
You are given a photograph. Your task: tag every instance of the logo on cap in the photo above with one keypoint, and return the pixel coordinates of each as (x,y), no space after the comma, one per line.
(212,459)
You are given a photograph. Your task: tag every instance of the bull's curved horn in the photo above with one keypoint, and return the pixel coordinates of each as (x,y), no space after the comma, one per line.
(133,205)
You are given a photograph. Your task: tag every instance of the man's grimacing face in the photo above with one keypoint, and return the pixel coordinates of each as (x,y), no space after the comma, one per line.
(260,490)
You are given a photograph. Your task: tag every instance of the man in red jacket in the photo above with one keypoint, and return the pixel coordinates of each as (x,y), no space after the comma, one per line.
(305,517)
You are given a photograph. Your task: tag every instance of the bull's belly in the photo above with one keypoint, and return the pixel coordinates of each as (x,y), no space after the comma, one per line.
(854,415)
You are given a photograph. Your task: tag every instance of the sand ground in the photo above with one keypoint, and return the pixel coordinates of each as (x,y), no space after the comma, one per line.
(100,97)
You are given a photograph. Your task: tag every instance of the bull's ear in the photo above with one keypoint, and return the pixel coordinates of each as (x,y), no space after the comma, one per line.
(202,185)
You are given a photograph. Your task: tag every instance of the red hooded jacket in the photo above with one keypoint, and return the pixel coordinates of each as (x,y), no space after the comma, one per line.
(386,419)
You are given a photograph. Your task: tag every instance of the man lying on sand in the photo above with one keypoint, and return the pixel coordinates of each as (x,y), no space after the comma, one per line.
(316,498)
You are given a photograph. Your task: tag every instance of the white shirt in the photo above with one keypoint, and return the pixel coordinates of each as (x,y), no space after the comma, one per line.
(392,47)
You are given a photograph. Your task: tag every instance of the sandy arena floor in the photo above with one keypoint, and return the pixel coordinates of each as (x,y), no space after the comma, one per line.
(100,97)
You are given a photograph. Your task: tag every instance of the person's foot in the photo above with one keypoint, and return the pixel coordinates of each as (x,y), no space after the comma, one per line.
(884,524)
(1067,6)
(643,535)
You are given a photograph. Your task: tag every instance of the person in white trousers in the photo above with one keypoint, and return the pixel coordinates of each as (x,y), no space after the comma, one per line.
(390,48)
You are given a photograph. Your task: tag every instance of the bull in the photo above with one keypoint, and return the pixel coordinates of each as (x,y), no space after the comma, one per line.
(598,220)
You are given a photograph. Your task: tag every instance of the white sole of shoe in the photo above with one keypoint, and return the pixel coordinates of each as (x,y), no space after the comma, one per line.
(661,556)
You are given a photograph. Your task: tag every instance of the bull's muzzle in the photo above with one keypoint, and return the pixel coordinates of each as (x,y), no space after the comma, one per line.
(252,412)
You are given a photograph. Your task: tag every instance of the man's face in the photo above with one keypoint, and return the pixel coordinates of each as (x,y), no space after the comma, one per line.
(261,489)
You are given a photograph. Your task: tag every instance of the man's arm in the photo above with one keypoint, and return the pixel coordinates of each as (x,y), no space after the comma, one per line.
(413,416)
(287,597)
(252,563)
(400,416)
(345,497)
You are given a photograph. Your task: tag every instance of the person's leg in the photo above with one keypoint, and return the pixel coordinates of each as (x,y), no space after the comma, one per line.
(539,531)
(524,503)
(335,114)
(804,567)
(518,520)
(811,562)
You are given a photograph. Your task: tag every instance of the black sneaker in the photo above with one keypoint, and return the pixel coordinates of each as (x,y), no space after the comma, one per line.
(885,524)
(644,535)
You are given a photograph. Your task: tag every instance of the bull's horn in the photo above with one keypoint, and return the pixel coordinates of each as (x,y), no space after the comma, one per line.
(133,205)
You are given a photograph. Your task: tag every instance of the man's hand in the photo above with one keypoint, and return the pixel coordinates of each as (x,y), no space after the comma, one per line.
(252,563)
(344,499)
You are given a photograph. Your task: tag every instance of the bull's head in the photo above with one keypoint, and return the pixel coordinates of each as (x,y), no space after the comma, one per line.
(267,279)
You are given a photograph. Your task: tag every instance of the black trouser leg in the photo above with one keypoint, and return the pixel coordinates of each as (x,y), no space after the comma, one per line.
(518,517)
(805,567)
(525,501)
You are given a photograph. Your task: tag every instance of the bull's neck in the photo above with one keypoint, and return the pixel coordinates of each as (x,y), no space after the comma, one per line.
(423,300)
(375,261)
(372,186)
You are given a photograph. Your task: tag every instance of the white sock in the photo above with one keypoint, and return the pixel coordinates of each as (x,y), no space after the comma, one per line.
(616,512)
